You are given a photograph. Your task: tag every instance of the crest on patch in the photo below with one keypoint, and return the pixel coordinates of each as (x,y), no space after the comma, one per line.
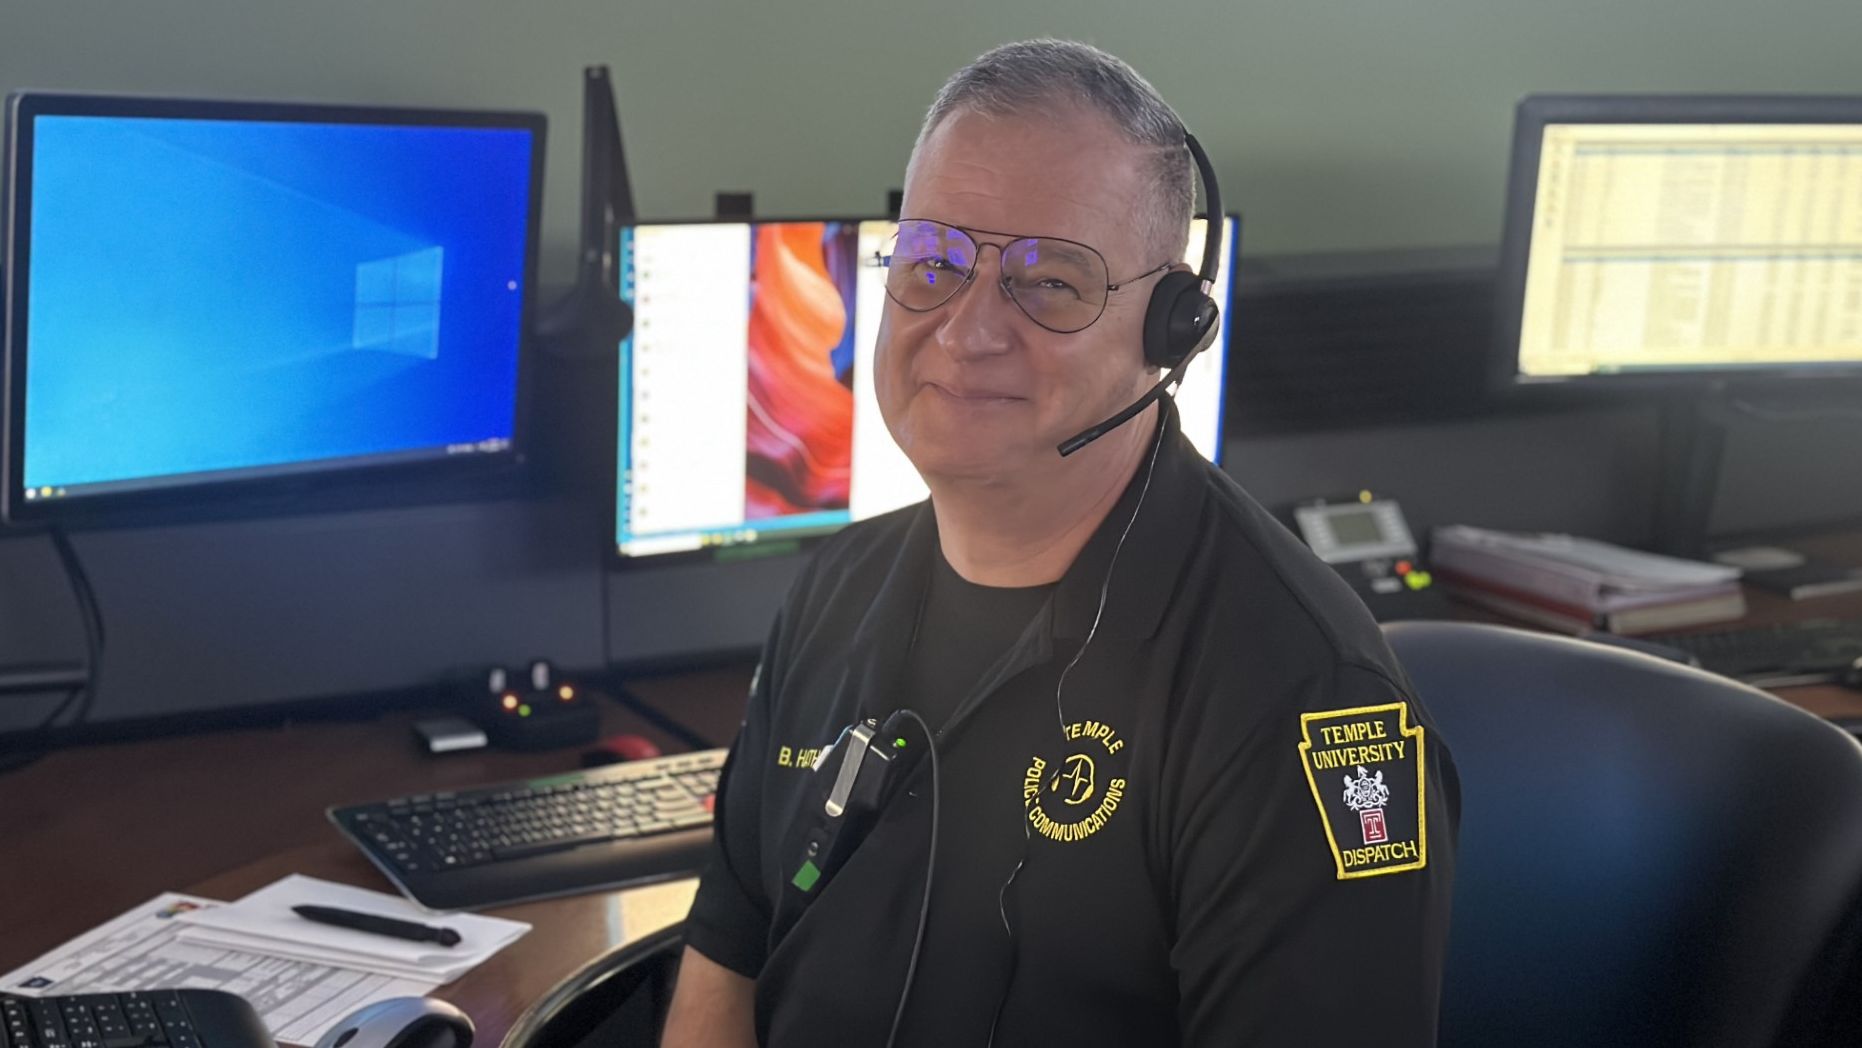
(1366,791)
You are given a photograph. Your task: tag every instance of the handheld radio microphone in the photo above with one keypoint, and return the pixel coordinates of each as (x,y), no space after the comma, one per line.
(1180,320)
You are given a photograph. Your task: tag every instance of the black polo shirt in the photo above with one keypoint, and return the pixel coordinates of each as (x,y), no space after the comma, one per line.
(1243,834)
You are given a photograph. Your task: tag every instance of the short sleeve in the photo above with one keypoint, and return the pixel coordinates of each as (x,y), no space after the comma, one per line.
(1312,869)
(729,919)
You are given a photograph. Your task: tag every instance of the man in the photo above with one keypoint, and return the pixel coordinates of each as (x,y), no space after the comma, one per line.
(1182,792)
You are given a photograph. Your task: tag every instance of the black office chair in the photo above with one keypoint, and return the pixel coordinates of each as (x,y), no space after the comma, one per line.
(1649,854)
(617,1000)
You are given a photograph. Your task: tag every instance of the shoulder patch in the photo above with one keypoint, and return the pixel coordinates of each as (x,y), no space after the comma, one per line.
(1365,767)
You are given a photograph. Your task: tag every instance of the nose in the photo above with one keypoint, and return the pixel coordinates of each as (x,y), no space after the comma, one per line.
(979,321)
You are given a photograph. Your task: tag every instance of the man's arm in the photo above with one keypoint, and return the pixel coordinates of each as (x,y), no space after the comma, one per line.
(714,1002)
(712,1007)
(1273,945)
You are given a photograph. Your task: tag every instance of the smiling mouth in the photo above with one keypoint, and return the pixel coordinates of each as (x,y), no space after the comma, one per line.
(974,396)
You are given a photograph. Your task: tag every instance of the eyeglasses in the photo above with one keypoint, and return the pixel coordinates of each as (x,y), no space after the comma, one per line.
(1059,284)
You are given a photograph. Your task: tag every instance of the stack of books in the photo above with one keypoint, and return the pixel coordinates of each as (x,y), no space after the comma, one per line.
(1576,585)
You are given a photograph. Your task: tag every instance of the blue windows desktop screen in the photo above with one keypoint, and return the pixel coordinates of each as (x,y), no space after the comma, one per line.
(217,299)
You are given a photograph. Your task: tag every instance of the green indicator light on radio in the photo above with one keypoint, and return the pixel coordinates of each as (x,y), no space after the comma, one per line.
(806,877)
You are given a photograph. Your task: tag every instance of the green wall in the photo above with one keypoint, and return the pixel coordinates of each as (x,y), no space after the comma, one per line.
(1343,125)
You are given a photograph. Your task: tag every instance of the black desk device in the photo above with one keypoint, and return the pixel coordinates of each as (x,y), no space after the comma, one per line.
(1366,540)
(151,1018)
(537,709)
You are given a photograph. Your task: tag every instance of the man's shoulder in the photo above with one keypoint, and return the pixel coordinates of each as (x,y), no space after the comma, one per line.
(1278,650)
(1271,602)
(854,561)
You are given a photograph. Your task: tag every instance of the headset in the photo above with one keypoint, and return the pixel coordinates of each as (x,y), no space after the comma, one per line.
(1180,320)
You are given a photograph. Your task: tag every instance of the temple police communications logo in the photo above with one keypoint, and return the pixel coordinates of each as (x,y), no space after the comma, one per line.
(1072,797)
(1365,767)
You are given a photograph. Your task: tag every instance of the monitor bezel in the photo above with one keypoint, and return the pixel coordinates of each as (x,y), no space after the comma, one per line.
(1532,115)
(313,487)
(787,545)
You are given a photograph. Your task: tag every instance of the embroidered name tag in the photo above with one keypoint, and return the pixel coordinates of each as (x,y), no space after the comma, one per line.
(799,757)
(1365,767)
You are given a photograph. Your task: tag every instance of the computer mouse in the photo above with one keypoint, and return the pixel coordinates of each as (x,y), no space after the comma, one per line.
(617,748)
(401,1022)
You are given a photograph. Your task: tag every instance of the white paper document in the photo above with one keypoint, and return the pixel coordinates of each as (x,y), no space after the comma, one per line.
(143,950)
(1583,572)
(263,921)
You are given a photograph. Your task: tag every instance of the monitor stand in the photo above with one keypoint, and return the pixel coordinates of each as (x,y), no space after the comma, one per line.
(1693,446)
(1693,443)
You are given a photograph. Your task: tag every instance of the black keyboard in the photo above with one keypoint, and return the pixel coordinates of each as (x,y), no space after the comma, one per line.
(1787,652)
(627,823)
(144,1019)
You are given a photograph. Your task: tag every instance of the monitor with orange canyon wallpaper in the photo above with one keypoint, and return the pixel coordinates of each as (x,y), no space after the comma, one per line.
(746,409)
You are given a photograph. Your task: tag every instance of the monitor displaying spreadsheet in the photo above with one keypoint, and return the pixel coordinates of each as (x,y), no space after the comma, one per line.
(1685,237)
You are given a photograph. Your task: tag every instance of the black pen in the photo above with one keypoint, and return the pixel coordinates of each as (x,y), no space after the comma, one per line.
(368,922)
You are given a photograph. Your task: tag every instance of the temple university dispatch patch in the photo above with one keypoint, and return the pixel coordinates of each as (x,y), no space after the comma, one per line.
(1365,767)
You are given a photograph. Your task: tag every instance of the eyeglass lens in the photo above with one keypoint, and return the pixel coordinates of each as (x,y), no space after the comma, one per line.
(1059,284)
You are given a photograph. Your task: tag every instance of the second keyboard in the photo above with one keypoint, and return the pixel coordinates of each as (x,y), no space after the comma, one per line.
(625,823)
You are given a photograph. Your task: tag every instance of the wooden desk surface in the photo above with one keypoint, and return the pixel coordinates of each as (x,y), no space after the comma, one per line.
(95,830)
(1824,700)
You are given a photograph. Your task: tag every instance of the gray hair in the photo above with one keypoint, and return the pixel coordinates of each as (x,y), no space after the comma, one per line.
(1015,79)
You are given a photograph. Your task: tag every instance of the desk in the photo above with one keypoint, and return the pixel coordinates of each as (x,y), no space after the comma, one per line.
(1825,700)
(94,830)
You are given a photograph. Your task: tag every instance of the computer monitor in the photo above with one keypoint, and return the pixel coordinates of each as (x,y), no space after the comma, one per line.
(211,300)
(747,418)
(1670,239)
(591,318)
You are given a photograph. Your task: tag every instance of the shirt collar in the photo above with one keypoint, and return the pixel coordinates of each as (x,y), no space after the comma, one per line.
(883,638)
(1162,520)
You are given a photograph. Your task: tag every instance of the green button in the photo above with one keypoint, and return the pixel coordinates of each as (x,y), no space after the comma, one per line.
(806,877)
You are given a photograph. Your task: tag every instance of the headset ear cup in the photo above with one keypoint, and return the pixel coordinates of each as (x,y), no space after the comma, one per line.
(1205,326)
(1178,321)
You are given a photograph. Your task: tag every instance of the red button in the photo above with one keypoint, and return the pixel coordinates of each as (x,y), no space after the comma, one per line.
(1404,567)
